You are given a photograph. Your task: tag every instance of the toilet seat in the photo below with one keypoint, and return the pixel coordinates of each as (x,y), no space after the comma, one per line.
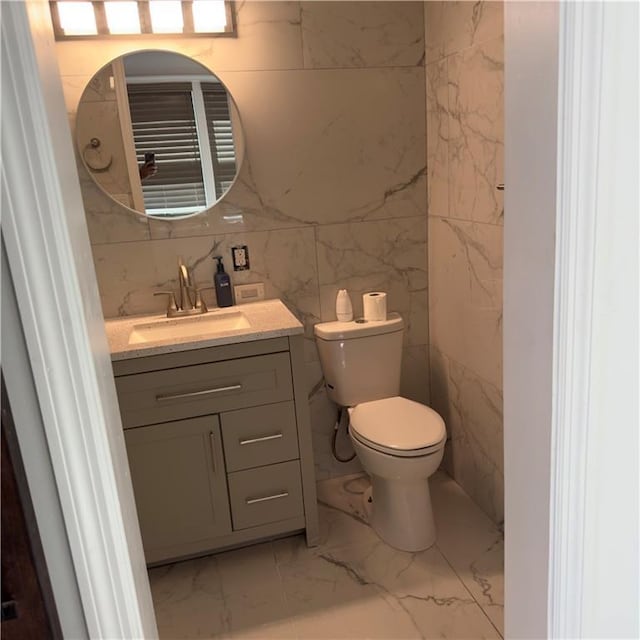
(417,430)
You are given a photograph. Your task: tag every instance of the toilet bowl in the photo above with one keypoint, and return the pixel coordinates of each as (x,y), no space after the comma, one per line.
(399,442)
(399,461)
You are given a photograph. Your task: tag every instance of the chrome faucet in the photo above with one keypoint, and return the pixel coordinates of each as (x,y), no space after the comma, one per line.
(186,306)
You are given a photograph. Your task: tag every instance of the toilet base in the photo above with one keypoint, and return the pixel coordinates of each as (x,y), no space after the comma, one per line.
(400,513)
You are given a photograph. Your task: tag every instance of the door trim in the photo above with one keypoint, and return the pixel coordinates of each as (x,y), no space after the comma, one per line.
(594,559)
(49,256)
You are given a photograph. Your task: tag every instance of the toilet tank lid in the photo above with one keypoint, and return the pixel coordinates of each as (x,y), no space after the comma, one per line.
(358,328)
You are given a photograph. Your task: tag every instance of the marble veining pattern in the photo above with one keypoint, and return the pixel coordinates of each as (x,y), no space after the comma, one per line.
(341,162)
(454,25)
(474,454)
(476,131)
(465,146)
(279,259)
(437,139)
(372,256)
(351,586)
(465,271)
(362,34)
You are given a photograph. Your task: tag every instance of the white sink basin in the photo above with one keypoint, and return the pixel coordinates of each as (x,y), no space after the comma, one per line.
(189,327)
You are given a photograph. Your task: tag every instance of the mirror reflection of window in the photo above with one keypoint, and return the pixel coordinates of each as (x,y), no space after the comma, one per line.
(168,130)
(187,125)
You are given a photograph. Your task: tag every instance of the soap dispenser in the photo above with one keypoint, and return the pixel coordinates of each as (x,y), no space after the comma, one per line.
(222,284)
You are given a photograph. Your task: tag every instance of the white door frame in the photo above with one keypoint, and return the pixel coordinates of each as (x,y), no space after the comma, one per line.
(51,265)
(594,565)
(49,255)
(571,320)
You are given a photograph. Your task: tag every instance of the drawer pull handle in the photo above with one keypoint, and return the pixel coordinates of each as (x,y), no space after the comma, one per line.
(275,496)
(212,443)
(275,436)
(195,394)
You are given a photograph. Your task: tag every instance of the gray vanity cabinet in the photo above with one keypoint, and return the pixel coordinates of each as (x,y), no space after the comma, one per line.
(219,446)
(177,470)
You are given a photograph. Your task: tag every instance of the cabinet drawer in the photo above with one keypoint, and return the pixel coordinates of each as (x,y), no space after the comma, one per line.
(259,436)
(266,494)
(173,394)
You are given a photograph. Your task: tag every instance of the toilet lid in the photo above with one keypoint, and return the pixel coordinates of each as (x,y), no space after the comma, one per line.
(398,424)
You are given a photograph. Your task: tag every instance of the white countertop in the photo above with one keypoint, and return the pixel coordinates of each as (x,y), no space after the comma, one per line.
(267,319)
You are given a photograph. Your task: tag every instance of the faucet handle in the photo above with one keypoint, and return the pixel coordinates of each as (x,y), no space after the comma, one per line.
(199,302)
(172,307)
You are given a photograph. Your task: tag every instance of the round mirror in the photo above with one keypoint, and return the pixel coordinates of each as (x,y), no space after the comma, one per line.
(160,134)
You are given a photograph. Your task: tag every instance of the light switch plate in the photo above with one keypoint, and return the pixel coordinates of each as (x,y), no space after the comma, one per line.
(248,292)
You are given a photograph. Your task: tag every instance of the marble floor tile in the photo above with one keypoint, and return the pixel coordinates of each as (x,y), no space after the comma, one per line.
(188,599)
(352,585)
(473,545)
(248,570)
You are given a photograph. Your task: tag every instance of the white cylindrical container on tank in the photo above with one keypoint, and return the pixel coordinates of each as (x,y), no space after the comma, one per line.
(374,305)
(344,309)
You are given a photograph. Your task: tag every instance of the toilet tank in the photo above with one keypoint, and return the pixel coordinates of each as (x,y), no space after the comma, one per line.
(361,360)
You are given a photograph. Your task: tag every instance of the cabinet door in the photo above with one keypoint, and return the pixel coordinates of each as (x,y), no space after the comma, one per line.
(179,481)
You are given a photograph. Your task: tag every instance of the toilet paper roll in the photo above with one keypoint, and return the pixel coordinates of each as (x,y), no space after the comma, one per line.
(374,305)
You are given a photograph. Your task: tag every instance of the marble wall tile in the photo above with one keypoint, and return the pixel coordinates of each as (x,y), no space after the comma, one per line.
(465,295)
(335,163)
(107,221)
(476,132)
(323,157)
(376,256)
(128,273)
(452,26)
(437,139)
(474,424)
(472,410)
(414,383)
(362,34)
(464,71)
(439,391)
(74,86)
(327,156)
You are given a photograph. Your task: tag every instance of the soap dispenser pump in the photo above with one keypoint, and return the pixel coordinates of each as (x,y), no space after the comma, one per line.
(222,284)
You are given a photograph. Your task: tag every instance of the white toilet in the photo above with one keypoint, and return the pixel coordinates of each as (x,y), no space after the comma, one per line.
(400,443)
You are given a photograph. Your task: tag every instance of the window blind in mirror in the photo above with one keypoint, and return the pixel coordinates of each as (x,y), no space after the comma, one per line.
(163,123)
(219,127)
